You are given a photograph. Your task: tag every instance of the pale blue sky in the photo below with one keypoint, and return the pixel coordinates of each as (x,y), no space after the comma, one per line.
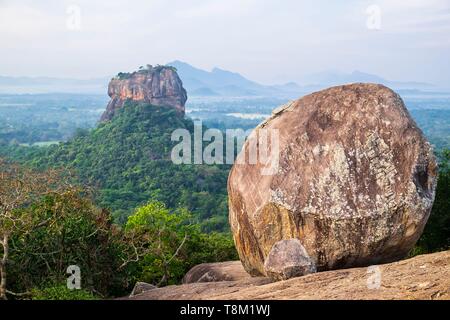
(270,41)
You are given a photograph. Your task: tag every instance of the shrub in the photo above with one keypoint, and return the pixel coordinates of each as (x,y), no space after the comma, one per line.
(169,243)
(436,236)
(60,292)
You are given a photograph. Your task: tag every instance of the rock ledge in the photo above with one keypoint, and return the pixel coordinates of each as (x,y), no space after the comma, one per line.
(425,277)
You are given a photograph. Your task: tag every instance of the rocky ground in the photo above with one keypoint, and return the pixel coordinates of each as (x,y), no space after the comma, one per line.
(423,277)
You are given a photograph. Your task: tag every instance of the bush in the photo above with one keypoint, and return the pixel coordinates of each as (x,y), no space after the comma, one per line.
(157,245)
(171,243)
(436,236)
(80,234)
(60,292)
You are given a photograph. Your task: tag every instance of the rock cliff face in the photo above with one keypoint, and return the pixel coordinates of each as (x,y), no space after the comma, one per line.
(355,182)
(159,86)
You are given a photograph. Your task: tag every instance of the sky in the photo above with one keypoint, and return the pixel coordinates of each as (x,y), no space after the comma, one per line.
(269,41)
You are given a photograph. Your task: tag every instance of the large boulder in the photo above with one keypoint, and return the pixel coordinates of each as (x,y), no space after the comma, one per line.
(216,272)
(355,181)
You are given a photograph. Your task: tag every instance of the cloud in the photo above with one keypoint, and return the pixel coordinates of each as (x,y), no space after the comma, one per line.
(217,8)
(415,15)
(258,38)
(24,21)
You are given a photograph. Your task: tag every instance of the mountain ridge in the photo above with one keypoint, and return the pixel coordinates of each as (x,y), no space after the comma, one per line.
(217,82)
(331,78)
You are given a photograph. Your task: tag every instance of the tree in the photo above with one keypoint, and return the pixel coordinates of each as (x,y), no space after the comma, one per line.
(19,187)
(156,237)
(164,244)
(436,236)
(128,158)
(80,234)
(47,224)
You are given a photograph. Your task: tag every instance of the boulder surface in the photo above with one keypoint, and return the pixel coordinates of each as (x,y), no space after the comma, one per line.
(425,277)
(288,259)
(215,272)
(141,287)
(354,183)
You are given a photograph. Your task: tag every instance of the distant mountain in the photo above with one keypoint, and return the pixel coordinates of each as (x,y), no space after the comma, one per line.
(217,82)
(332,78)
(204,92)
(19,85)
(198,82)
(221,82)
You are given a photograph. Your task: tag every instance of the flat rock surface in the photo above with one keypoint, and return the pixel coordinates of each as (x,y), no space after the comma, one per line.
(425,277)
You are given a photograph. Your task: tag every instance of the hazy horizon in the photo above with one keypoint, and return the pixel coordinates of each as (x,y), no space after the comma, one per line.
(265,41)
(329,71)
